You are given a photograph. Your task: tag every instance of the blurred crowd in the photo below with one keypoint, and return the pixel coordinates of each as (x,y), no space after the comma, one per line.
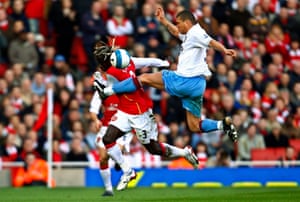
(48,43)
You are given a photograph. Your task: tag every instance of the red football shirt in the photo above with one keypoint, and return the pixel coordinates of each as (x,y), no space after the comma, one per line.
(136,102)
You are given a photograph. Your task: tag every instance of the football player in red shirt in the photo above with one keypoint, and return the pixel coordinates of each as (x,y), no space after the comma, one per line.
(134,112)
(108,107)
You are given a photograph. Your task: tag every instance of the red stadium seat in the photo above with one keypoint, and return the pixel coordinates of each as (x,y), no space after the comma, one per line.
(267,154)
(295,143)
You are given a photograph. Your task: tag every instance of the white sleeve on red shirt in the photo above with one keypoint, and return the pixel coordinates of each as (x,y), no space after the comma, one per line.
(95,103)
(149,62)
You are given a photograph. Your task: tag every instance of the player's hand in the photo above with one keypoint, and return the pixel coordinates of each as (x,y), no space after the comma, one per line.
(230,52)
(160,14)
(98,124)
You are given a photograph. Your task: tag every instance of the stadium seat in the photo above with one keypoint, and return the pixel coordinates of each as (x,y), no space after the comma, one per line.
(267,154)
(295,143)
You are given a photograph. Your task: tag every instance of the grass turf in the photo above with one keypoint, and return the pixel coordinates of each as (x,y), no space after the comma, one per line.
(41,194)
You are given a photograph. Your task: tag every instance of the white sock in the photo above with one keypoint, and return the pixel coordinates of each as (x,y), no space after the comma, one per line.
(173,151)
(105,175)
(116,154)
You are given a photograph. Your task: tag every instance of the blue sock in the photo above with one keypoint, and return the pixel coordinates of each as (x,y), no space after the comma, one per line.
(126,86)
(208,125)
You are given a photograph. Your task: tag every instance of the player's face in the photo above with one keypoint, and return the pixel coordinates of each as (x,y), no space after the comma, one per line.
(180,24)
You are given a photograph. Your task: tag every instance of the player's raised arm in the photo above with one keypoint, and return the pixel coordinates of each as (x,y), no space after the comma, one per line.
(149,62)
(160,15)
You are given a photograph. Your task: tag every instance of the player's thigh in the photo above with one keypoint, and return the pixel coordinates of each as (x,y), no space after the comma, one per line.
(120,120)
(183,86)
(153,79)
(145,127)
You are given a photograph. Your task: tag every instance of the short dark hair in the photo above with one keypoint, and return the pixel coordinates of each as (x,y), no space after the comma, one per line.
(186,15)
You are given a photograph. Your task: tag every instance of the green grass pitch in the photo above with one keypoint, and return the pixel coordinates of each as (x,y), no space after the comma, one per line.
(41,194)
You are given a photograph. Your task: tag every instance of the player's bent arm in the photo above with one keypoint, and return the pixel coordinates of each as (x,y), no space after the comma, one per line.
(149,62)
(220,47)
(217,46)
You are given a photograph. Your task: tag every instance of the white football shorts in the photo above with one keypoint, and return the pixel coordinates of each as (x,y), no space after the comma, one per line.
(144,125)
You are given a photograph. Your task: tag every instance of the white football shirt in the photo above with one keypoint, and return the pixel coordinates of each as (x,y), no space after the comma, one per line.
(192,57)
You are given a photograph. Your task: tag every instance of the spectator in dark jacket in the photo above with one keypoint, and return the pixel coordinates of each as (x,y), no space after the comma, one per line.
(93,29)
(276,138)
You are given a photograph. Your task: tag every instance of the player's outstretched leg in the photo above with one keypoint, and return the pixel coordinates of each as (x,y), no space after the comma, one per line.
(191,157)
(125,179)
(230,129)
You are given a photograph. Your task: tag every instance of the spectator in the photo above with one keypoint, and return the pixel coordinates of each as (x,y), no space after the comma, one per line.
(34,172)
(194,6)
(201,152)
(296,118)
(147,25)
(294,52)
(270,94)
(282,110)
(61,67)
(18,13)
(289,129)
(240,15)
(283,20)
(38,85)
(93,29)
(65,23)
(231,80)
(6,25)
(277,41)
(276,138)
(295,73)
(285,82)
(119,27)
(21,51)
(208,22)
(221,159)
(9,151)
(258,24)
(289,160)
(251,140)
(295,95)
(28,146)
(77,152)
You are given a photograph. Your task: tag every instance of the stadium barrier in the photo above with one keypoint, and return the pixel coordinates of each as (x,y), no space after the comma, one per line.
(241,174)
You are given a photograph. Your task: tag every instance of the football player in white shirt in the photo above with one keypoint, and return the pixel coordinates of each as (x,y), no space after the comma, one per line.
(189,80)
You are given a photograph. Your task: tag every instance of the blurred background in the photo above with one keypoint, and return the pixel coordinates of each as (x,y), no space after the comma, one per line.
(48,44)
